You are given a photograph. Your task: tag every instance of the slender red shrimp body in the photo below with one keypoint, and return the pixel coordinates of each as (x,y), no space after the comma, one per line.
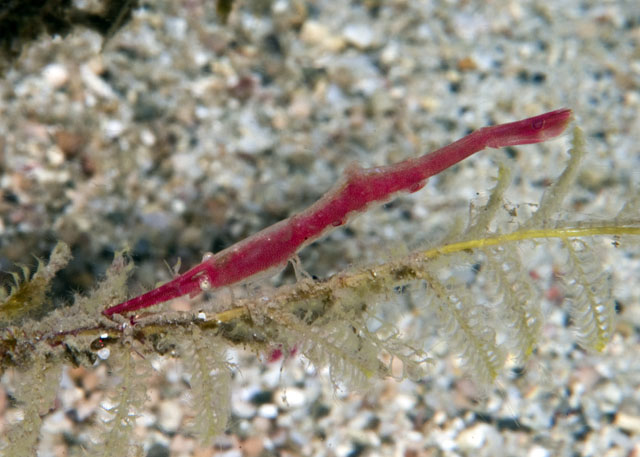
(275,245)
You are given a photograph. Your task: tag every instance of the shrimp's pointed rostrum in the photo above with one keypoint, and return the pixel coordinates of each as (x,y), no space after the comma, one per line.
(272,247)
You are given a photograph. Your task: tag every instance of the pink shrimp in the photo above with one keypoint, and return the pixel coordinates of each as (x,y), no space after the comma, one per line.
(274,246)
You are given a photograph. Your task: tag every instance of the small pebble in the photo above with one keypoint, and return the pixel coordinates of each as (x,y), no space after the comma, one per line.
(56,75)
(314,33)
(359,35)
(170,416)
(290,398)
(472,438)
(96,84)
(627,422)
(538,451)
(268,411)
(113,128)
(70,143)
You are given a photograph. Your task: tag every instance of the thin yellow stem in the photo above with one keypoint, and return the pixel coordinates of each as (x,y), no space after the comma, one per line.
(561,233)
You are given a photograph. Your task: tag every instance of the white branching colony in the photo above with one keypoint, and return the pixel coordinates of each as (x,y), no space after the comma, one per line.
(475,287)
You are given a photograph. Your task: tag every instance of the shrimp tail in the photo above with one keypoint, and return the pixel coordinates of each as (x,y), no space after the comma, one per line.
(189,283)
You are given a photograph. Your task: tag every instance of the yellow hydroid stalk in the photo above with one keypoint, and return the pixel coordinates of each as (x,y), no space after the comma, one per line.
(533,234)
